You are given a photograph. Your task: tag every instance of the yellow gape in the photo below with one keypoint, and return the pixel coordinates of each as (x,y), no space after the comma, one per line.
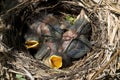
(31,44)
(55,61)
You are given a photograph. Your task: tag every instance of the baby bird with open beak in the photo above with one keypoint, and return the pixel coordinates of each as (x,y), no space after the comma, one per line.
(51,33)
(44,37)
(58,48)
(75,43)
(31,40)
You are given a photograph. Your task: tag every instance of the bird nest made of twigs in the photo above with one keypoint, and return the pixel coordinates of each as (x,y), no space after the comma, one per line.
(102,62)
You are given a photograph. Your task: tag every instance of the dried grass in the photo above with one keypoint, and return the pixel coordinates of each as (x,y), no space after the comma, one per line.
(103,62)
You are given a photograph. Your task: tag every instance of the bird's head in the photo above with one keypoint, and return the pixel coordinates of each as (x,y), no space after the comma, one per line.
(31,40)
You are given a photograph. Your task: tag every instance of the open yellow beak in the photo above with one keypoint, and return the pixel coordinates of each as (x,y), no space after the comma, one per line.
(31,44)
(55,61)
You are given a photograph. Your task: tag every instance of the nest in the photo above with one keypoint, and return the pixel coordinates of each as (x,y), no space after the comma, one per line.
(101,63)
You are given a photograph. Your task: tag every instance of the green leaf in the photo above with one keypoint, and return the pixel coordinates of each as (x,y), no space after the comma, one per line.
(19,76)
(70,19)
(22,79)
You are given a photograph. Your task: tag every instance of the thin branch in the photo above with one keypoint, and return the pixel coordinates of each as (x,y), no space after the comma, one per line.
(28,74)
(106,65)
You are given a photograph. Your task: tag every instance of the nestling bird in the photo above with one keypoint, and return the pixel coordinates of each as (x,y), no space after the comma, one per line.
(58,48)
(31,39)
(78,47)
(51,33)
(75,43)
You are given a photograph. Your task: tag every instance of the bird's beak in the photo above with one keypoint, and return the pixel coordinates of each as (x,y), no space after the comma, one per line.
(31,44)
(55,61)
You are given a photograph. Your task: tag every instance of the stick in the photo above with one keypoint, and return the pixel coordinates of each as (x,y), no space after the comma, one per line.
(106,65)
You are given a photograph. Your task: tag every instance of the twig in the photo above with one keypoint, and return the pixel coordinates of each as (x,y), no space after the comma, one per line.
(48,7)
(28,74)
(13,71)
(106,65)
(17,6)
